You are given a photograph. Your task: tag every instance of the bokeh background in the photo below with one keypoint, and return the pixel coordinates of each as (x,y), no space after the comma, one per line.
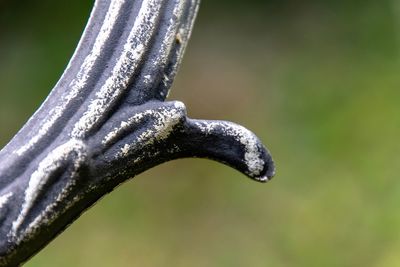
(317,80)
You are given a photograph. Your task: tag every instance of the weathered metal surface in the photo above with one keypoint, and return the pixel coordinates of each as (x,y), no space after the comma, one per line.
(106,121)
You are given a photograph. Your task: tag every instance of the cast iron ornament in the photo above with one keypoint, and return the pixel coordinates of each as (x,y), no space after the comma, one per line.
(106,121)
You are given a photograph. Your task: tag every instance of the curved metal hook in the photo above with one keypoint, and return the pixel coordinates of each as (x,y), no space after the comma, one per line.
(105,121)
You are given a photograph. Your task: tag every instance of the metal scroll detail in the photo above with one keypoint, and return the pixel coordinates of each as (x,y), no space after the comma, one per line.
(106,121)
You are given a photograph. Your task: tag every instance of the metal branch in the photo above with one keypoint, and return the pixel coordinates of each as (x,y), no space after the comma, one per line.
(106,121)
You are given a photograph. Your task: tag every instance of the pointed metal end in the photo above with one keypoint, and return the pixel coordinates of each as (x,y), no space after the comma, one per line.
(230,144)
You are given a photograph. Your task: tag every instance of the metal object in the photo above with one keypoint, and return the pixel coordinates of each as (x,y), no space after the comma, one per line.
(106,121)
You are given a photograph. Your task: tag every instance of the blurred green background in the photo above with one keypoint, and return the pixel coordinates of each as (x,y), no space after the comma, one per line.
(318,81)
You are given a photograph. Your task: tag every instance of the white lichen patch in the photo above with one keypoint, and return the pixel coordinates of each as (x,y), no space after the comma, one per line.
(72,151)
(165,80)
(164,120)
(170,33)
(82,76)
(125,149)
(124,68)
(5,198)
(159,62)
(252,154)
(104,34)
(147,79)
(113,135)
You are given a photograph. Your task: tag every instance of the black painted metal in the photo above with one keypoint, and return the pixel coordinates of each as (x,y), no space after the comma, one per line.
(106,121)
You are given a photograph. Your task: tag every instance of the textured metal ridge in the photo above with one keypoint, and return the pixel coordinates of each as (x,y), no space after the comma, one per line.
(106,121)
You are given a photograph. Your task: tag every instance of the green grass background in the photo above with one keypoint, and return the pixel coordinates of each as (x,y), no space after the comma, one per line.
(318,81)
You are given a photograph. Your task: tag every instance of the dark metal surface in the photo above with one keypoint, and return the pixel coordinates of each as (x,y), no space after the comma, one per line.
(106,121)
